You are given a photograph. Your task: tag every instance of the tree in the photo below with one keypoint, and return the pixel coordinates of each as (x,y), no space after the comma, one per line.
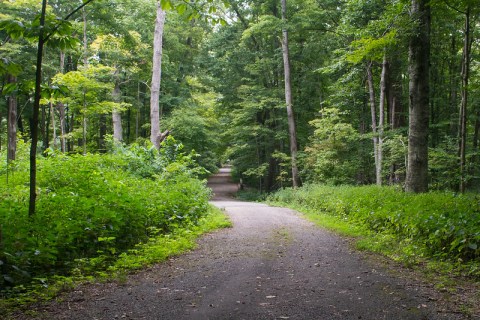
(419,66)
(42,39)
(156,76)
(288,99)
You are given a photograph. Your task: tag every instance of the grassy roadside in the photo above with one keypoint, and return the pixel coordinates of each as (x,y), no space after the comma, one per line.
(155,250)
(452,282)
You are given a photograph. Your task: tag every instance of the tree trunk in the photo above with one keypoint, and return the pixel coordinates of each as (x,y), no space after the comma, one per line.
(138,113)
(11,122)
(84,124)
(463,106)
(36,111)
(102,126)
(156,76)
(116,114)
(381,119)
(419,61)
(61,110)
(288,99)
(373,113)
(54,129)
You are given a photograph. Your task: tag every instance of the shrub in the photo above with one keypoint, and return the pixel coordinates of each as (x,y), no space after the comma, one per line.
(94,206)
(445,225)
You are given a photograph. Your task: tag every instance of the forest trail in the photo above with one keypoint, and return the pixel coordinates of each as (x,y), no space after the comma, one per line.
(272,264)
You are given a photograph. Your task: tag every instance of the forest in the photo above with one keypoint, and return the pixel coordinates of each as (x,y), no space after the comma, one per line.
(113,112)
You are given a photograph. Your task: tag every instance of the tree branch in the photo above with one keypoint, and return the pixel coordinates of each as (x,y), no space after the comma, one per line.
(48,36)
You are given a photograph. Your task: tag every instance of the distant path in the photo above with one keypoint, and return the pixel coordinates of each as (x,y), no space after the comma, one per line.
(271,265)
(222,186)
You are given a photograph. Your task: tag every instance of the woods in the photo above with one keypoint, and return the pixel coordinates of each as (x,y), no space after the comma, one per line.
(396,74)
(290,93)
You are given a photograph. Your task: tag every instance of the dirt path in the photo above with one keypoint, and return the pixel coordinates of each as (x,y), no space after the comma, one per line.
(271,265)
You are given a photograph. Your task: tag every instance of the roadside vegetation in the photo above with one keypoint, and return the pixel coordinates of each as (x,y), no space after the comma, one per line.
(99,215)
(440,230)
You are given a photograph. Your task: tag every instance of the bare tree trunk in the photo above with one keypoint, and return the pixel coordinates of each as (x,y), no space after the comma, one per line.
(12,122)
(381,119)
(138,113)
(419,61)
(373,113)
(85,65)
(61,110)
(156,76)
(54,129)
(36,111)
(102,131)
(84,126)
(463,106)
(288,99)
(116,114)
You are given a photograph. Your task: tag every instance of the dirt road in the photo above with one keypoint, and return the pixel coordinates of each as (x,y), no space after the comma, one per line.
(271,265)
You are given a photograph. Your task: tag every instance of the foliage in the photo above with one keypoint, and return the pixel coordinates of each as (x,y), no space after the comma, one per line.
(156,249)
(94,205)
(331,156)
(439,225)
(197,130)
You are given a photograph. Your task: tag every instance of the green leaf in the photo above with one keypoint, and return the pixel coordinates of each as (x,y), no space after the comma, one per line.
(181,8)
(166,4)
(9,88)
(14,28)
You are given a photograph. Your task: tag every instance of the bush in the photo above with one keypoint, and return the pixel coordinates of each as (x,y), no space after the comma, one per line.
(444,225)
(92,206)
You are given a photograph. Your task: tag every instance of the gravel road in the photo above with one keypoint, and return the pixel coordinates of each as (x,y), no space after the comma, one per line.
(272,264)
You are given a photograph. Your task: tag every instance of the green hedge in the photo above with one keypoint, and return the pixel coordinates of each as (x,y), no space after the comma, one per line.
(445,225)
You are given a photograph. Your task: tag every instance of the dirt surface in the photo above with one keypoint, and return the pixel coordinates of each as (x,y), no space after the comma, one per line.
(271,265)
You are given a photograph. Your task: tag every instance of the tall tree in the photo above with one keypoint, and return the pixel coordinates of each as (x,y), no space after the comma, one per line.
(419,67)
(42,39)
(156,76)
(465,73)
(288,98)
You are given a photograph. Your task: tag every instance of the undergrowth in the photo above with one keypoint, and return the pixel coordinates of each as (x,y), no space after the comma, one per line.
(92,209)
(438,228)
(101,268)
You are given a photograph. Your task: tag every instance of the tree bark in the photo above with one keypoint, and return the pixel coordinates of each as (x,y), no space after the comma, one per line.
(419,61)
(373,113)
(11,122)
(156,76)
(102,131)
(84,123)
(288,99)
(381,119)
(54,129)
(61,110)
(463,106)
(116,114)
(36,111)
